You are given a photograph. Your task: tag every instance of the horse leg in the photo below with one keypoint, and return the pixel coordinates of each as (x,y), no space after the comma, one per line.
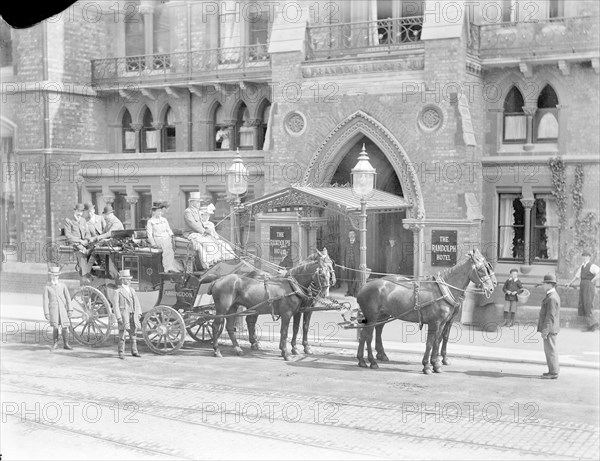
(305,327)
(435,358)
(369,339)
(428,346)
(360,353)
(285,324)
(445,336)
(251,322)
(295,328)
(216,325)
(230,326)
(381,355)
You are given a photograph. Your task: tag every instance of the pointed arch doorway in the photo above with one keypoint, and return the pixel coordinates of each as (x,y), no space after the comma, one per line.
(381,258)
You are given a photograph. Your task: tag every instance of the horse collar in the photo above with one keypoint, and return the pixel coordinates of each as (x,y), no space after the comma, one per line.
(448,296)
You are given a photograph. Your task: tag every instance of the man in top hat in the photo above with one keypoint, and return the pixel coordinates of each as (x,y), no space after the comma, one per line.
(112,223)
(549,325)
(95,223)
(78,235)
(588,273)
(128,311)
(57,307)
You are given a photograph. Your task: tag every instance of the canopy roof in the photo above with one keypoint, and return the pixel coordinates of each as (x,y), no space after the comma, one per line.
(342,198)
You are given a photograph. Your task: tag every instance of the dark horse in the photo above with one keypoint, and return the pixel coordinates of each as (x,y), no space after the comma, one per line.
(306,315)
(283,296)
(434,302)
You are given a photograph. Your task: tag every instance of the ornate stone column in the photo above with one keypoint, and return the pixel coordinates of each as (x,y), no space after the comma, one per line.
(529,112)
(231,124)
(417,229)
(132,200)
(137,127)
(158,126)
(255,124)
(527,203)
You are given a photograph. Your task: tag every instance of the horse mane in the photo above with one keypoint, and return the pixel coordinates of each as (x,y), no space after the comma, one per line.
(451,270)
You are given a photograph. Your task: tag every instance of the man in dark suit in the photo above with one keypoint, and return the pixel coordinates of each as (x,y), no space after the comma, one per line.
(286,261)
(351,262)
(549,325)
(78,235)
(392,256)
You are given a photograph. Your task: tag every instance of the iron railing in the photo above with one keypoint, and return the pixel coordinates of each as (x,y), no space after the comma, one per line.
(534,39)
(243,61)
(350,39)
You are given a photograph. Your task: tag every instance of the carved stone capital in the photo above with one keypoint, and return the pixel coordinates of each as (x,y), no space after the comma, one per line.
(414,227)
(528,202)
(108,199)
(253,122)
(529,110)
(132,199)
(158,125)
(136,126)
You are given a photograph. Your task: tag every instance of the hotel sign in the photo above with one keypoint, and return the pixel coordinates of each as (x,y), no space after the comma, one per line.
(443,247)
(280,238)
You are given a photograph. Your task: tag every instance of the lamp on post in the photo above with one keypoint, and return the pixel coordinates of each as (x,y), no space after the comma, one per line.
(363,185)
(237,184)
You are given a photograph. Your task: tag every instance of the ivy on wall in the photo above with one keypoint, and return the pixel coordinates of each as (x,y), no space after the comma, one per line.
(559,188)
(586,226)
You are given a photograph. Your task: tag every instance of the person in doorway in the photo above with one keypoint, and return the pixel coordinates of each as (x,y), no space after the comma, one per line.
(57,308)
(286,261)
(128,312)
(512,287)
(392,256)
(589,274)
(549,325)
(351,262)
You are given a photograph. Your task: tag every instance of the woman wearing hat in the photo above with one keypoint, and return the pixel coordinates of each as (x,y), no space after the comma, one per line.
(218,249)
(57,307)
(160,235)
(128,311)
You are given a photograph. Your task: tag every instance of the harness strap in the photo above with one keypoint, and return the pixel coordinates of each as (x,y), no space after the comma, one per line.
(270,301)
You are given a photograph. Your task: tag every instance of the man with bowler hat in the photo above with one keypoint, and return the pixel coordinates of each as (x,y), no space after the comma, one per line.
(549,325)
(128,311)
(588,273)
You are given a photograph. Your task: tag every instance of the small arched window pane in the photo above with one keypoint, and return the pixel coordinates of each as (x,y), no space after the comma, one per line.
(220,116)
(170,117)
(548,98)
(126,119)
(148,119)
(266,114)
(548,126)
(514,101)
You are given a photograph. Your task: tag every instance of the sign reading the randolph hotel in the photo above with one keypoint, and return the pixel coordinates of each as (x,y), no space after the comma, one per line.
(443,247)
(280,237)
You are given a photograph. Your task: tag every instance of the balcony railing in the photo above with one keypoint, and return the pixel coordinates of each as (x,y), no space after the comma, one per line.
(556,36)
(219,63)
(351,39)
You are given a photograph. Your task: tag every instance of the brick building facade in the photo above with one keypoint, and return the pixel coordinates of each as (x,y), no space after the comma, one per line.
(145,101)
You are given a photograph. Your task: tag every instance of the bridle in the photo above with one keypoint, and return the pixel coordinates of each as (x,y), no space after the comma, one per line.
(485,280)
(321,275)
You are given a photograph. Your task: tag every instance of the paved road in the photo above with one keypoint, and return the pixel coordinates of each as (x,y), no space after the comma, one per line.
(86,404)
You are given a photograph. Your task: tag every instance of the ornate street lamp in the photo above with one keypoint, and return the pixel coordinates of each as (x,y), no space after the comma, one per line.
(237,184)
(363,185)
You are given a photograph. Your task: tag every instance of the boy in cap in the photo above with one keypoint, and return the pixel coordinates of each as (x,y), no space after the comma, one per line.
(57,307)
(512,287)
(128,312)
(549,325)
(588,273)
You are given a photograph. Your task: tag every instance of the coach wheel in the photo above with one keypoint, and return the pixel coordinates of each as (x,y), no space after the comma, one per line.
(164,330)
(91,318)
(201,329)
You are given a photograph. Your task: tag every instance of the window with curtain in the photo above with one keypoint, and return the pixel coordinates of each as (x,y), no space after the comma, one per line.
(128,133)
(511,228)
(556,9)
(134,39)
(546,116)
(258,35)
(149,133)
(544,238)
(222,141)
(230,37)
(169,138)
(143,209)
(515,120)
(245,130)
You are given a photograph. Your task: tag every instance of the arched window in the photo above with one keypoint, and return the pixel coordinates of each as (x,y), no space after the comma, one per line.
(222,141)
(515,120)
(168,135)
(546,116)
(264,125)
(128,133)
(245,135)
(149,133)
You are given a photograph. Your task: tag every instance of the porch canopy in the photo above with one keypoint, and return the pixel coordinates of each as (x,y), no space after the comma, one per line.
(340,199)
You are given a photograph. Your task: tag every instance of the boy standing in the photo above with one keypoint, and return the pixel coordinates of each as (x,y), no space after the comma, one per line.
(128,312)
(57,307)
(512,287)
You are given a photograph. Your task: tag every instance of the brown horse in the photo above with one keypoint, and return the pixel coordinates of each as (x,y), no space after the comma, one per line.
(282,296)
(433,302)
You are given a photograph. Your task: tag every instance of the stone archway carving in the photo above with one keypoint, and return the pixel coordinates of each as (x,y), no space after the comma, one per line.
(324,162)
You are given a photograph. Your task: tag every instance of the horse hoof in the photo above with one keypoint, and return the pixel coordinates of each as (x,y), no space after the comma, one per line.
(427,370)
(239,351)
(383,357)
(437,369)
(362,364)
(295,351)
(374,366)
(217,354)
(286,357)
(255,346)
(446,362)
(308,350)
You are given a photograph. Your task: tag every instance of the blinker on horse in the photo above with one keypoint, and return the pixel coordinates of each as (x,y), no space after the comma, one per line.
(434,302)
(278,296)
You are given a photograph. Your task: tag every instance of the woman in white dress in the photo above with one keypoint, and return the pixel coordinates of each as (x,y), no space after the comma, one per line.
(160,236)
(216,249)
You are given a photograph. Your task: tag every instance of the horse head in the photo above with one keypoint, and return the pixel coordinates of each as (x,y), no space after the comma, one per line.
(482,274)
(322,269)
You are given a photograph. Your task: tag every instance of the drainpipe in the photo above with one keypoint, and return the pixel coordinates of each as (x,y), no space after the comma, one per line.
(46,111)
(189,49)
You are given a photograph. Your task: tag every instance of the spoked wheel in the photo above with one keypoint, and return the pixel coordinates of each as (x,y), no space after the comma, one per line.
(92,316)
(201,328)
(164,330)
